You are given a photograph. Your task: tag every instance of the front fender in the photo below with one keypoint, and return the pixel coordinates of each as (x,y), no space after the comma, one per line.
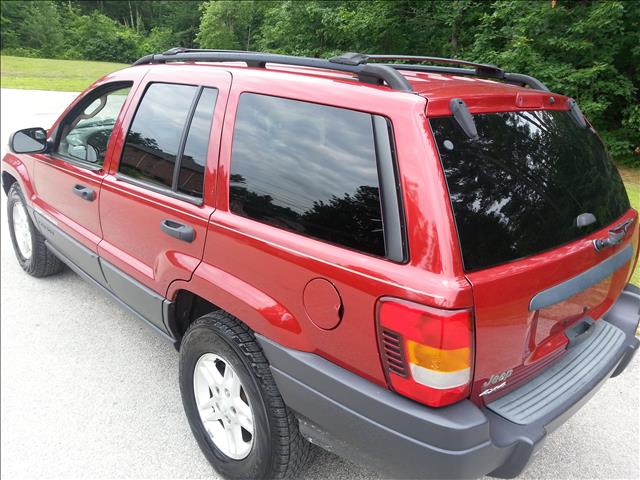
(16,167)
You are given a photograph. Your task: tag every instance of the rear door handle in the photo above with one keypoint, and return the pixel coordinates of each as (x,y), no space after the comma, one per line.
(84,193)
(579,332)
(178,230)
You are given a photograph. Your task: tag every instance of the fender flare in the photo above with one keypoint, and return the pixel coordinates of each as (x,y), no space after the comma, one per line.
(260,312)
(14,166)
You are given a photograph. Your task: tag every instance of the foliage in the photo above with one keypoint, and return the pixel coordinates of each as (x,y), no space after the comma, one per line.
(587,49)
(98,37)
(232,25)
(31,27)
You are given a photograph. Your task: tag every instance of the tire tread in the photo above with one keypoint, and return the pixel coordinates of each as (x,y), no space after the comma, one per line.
(293,450)
(43,262)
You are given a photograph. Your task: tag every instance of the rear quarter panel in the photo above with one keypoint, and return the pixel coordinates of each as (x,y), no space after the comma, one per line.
(259,272)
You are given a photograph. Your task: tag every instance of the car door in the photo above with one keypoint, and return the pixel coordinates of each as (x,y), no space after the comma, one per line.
(67,180)
(157,199)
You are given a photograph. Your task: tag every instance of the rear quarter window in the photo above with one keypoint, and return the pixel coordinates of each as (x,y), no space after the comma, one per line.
(309,169)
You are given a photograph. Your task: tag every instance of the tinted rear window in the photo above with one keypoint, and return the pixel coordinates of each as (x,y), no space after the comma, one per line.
(307,168)
(519,188)
(153,140)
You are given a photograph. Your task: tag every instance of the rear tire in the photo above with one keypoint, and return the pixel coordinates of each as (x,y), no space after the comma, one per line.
(28,243)
(277,449)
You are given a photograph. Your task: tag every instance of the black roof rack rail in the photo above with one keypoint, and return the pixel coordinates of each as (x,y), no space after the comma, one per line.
(478,69)
(368,73)
(485,68)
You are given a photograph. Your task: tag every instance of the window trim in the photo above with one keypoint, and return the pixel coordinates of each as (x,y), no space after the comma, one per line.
(393,221)
(183,138)
(391,205)
(171,191)
(160,189)
(83,103)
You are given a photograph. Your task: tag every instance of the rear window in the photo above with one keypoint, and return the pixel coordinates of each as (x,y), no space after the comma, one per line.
(518,189)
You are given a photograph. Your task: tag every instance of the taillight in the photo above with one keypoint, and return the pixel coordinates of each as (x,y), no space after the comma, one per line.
(426,351)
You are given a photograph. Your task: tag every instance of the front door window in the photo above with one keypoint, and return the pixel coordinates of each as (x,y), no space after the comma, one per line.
(85,135)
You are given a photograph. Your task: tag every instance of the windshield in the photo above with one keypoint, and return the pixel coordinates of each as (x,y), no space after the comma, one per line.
(518,189)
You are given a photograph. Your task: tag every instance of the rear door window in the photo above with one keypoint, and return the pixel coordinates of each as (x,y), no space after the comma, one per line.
(194,157)
(519,188)
(309,169)
(168,139)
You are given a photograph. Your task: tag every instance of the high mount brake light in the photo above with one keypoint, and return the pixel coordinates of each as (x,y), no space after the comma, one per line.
(426,351)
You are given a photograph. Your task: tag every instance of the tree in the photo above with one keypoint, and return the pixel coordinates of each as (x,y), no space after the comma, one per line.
(31,28)
(232,25)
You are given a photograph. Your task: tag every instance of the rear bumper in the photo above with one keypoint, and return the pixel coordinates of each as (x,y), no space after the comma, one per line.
(359,420)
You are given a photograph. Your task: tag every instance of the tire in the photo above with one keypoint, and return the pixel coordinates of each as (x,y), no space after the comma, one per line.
(40,262)
(278,450)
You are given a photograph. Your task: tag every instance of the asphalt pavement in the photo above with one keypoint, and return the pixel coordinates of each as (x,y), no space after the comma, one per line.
(87,391)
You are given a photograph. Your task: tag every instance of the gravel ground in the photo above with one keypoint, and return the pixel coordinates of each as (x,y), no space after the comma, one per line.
(87,391)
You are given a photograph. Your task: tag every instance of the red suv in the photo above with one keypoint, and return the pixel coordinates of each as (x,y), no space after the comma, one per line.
(419,267)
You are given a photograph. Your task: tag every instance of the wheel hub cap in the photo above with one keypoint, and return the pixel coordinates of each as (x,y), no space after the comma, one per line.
(21,229)
(223,406)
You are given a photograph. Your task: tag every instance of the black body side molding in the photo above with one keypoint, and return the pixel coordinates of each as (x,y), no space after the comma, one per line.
(139,300)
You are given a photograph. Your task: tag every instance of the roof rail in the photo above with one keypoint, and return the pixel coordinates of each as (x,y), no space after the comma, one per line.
(356,63)
(479,69)
(373,74)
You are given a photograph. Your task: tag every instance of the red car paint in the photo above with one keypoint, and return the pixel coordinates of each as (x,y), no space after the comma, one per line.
(258,273)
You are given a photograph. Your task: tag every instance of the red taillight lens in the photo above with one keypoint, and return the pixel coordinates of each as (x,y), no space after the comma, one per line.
(426,351)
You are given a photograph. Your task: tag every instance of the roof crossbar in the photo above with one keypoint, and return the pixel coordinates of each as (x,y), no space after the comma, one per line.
(374,74)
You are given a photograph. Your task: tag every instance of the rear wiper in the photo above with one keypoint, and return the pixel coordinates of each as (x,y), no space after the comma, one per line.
(463,117)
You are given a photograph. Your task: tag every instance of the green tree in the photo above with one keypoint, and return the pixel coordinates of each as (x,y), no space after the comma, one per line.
(31,28)
(227,24)
(98,37)
(576,48)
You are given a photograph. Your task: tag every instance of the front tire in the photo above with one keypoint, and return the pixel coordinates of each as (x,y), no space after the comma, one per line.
(28,243)
(233,405)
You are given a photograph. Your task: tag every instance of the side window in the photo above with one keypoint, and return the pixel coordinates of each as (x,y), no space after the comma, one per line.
(194,157)
(307,168)
(86,135)
(168,140)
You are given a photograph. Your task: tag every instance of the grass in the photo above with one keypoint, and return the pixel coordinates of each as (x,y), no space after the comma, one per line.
(47,74)
(631,179)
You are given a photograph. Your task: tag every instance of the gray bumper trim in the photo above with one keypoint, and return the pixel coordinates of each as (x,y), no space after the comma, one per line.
(548,391)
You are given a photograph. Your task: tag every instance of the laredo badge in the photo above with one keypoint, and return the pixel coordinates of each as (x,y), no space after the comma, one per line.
(499,377)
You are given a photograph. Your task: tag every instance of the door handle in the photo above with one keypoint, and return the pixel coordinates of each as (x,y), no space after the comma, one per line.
(178,230)
(84,193)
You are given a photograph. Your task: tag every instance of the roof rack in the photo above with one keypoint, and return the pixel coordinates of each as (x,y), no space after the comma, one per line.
(374,74)
(356,63)
(482,70)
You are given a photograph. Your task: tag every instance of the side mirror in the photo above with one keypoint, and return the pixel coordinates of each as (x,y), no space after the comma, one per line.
(28,140)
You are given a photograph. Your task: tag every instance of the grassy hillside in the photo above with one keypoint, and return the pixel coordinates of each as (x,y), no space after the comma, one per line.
(46,74)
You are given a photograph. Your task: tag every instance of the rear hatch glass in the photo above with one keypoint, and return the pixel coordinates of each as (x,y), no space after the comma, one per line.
(517,192)
(518,189)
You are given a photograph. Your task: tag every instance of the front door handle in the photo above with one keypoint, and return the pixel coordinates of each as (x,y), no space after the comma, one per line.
(84,193)
(178,230)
